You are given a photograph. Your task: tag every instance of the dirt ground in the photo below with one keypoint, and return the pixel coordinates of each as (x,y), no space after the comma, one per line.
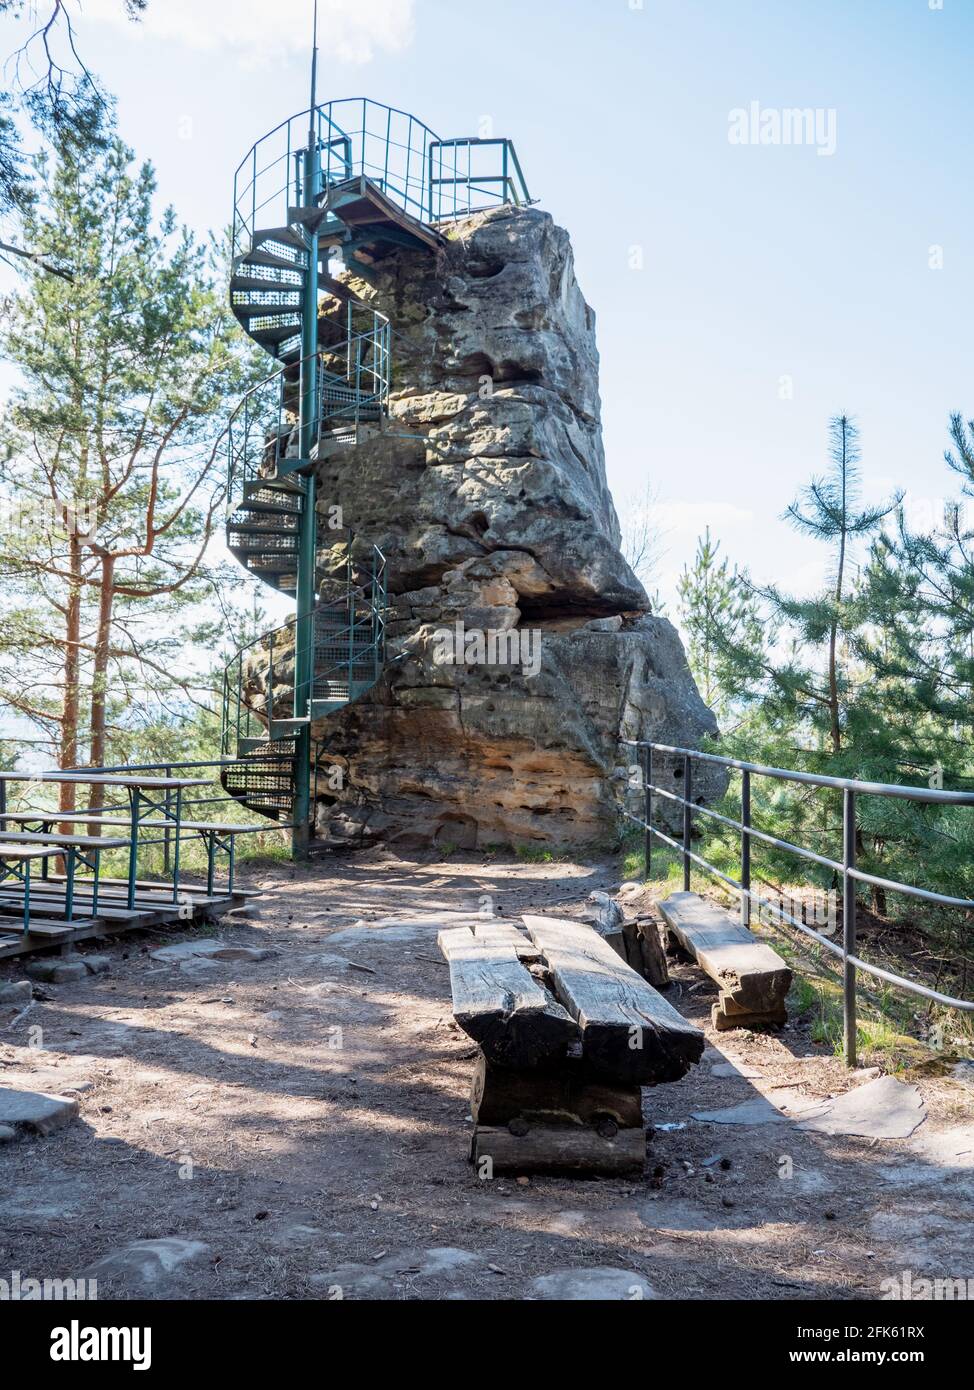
(297,1127)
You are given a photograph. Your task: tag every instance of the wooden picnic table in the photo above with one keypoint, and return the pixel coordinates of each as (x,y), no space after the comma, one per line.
(153,795)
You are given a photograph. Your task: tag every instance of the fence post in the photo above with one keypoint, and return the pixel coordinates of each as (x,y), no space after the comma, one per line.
(687,793)
(165,834)
(745,849)
(849,924)
(648,808)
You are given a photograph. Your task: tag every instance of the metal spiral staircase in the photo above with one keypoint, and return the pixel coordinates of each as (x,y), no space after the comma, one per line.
(356,180)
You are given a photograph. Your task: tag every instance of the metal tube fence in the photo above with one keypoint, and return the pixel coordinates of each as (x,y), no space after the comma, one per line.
(845,868)
(430,179)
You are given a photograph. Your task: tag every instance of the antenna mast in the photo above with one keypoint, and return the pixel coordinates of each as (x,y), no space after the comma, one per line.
(314,76)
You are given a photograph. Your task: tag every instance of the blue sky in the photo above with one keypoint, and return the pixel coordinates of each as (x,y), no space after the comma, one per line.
(759,262)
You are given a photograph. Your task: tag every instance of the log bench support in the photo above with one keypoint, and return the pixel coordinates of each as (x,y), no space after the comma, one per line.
(753,979)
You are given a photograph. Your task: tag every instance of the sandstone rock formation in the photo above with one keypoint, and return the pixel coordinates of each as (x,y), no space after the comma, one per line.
(487,493)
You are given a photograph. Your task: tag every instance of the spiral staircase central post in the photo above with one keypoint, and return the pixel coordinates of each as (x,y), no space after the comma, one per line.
(307,527)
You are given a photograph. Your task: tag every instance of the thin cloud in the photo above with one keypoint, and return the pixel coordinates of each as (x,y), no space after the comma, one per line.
(351,31)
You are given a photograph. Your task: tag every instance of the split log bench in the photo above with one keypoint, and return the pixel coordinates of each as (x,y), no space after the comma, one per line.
(499,1003)
(568,1035)
(637,939)
(753,978)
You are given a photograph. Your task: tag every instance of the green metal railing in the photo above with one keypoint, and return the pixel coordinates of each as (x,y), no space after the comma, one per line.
(346,638)
(428,178)
(683,761)
(354,381)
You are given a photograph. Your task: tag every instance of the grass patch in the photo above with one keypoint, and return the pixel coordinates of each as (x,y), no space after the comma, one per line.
(534,854)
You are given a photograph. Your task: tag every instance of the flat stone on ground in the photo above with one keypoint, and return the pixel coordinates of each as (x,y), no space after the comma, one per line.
(602,1284)
(35,1111)
(933,1156)
(758,1111)
(148,1262)
(210,949)
(16,993)
(882,1109)
(386,1277)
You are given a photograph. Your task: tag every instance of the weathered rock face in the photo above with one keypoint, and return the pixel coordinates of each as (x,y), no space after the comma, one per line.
(487,494)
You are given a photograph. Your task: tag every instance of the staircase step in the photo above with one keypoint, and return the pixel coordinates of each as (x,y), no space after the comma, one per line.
(272,524)
(317,220)
(279,246)
(254,298)
(289,348)
(275,494)
(246,746)
(260,275)
(262,542)
(287,468)
(271,328)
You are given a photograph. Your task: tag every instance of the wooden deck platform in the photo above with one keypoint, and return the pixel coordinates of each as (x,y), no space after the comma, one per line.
(154,907)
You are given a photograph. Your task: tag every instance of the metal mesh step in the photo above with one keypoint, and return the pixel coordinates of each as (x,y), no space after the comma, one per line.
(264,781)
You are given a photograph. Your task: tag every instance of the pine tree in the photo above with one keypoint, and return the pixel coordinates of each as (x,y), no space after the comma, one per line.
(817,682)
(724,631)
(110,466)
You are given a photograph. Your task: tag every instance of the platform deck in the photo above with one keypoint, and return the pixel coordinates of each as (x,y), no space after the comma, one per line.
(154,907)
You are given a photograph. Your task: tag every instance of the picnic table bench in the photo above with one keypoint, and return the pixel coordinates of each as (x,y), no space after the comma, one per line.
(216,835)
(161,797)
(75,850)
(16,858)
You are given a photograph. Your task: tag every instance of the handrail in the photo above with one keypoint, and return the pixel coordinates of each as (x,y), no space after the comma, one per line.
(851,788)
(926,794)
(358,136)
(265,416)
(246,718)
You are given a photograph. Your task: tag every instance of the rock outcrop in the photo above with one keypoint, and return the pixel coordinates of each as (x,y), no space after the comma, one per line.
(487,493)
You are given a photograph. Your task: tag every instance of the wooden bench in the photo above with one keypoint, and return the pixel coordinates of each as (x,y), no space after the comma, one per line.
(496,1001)
(75,850)
(16,859)
(568,1036)
(630,1033)
(753,978)
(215,835)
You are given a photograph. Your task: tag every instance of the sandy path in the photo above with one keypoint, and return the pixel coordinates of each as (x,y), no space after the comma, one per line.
(296,1127)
